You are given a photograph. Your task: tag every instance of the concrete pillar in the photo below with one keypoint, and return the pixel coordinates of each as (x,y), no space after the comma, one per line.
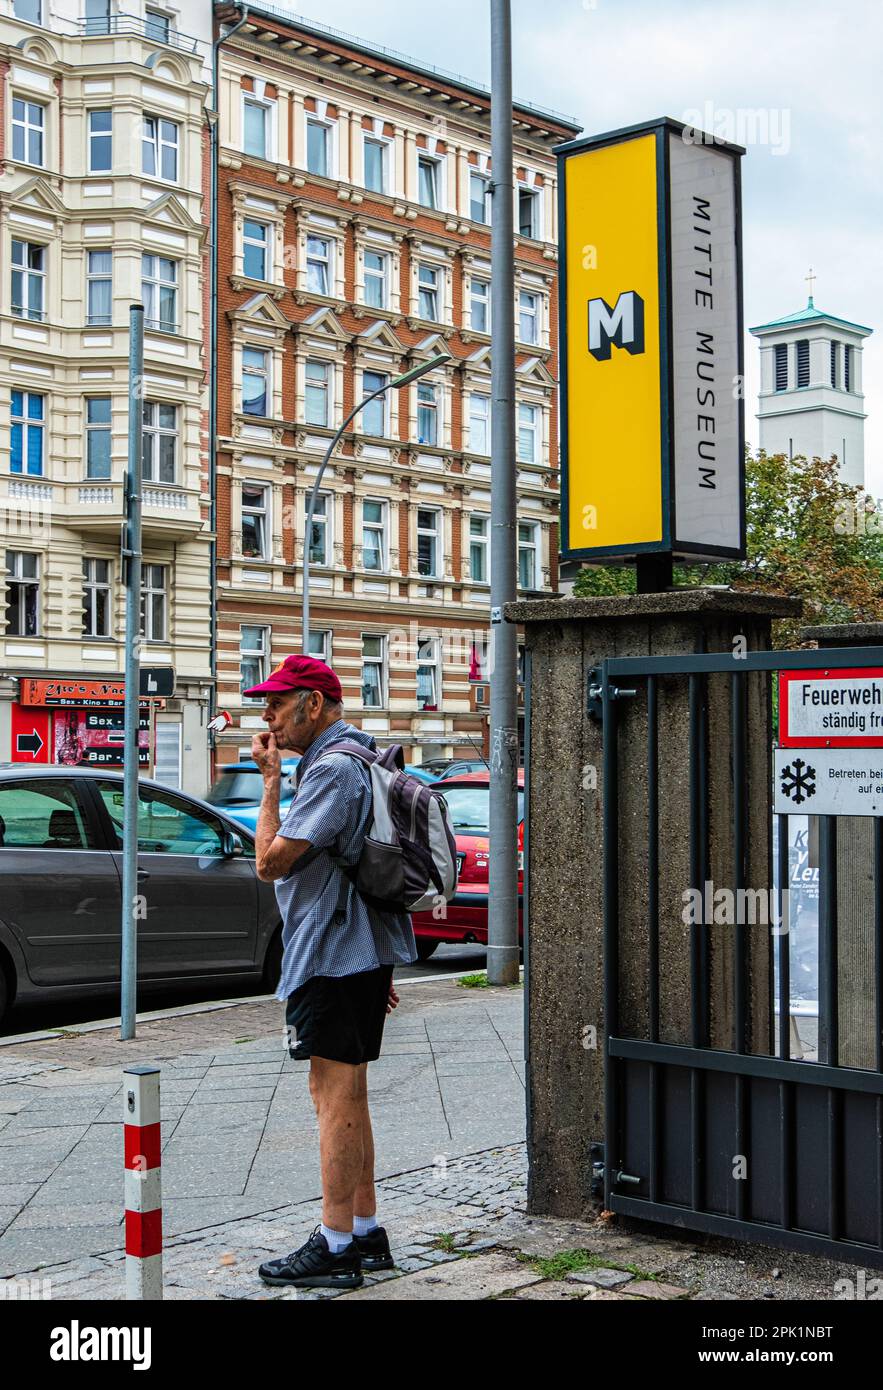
(565,638)
(856,962)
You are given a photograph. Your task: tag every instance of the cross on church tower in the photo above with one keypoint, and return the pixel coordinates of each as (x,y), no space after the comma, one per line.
(811,278)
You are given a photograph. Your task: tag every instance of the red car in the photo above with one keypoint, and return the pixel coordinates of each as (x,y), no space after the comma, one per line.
(468,798)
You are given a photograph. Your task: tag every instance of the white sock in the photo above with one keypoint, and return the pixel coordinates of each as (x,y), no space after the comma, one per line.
(364,1225)
(337,1240)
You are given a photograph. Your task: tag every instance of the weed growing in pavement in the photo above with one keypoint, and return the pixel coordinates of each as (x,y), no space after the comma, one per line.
(570,1261)
(480,981)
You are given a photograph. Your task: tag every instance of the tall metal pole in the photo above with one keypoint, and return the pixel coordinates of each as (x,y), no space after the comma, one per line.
(132,555)
(502,959)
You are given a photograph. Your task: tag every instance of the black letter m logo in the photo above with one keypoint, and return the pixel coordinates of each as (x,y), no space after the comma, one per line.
(622,325)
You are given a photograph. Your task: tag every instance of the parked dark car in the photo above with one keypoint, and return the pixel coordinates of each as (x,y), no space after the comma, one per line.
(207,916)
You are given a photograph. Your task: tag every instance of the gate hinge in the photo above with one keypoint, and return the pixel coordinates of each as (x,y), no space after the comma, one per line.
(595,702)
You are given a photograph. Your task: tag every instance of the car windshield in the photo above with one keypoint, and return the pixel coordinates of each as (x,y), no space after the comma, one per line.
(242,788)
(470,809)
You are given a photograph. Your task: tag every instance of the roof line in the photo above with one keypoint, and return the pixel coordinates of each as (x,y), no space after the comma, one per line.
(466,84)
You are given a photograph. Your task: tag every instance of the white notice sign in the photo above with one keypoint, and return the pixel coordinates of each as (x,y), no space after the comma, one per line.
(829,782)
(831,708)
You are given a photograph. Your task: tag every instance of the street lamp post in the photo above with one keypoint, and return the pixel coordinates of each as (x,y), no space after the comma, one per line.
(398,381)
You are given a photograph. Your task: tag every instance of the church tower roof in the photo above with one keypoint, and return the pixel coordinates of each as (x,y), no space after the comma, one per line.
(810,315)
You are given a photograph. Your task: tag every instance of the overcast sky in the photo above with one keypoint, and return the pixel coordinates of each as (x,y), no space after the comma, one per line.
(813,193)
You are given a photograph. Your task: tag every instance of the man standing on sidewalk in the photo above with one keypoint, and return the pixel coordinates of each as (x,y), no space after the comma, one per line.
(338,958)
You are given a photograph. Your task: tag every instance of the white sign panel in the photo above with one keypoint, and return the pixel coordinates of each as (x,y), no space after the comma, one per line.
(706,344)
(831,708)
(829,782)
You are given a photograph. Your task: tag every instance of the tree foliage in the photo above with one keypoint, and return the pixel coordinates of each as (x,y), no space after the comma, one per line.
(809,536)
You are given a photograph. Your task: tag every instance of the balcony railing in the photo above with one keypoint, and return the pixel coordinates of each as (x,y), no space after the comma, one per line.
(130,24)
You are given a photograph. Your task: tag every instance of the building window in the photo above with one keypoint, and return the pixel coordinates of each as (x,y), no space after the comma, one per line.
(427,181)
(320,540)
(316,376)
(478,549)
(781,367)
(28,414)
(28,119)
(528,317)
(319,148)
(374,414)
(427,414)
(22,593)
(374,535)
(28,280)
(427,286)
(255,381)
(254,649)
(803,362)
(528,213)
(159,289)
(31,11)
(99,287)
(254,521)
(159,442)
(98,16)
(479,198)
(153,603)
(479,423)
(319,645)
(376,280)
(427,673)
(847,367)
(100,142)
(427,542)
(318,265)
(96,598)
(373,671)
(527,555)
(255,249)
(376,160)
(98,436)
(834,346)
(479,306)
(157,26)
(159,148)
(527,434)
(255,128)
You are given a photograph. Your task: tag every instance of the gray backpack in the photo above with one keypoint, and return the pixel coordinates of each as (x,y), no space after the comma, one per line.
(409,859)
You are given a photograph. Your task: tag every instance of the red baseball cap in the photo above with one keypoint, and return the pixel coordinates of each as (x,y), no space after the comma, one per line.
(300,673)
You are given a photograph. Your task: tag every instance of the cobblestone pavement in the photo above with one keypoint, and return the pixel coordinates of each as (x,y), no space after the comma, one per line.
(459,1231)
(238,1126)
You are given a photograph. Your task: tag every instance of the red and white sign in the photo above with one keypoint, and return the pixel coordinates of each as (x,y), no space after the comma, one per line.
(831,709)
(31,741)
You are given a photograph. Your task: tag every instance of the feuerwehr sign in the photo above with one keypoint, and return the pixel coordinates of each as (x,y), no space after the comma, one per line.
(651,345)
(830,759)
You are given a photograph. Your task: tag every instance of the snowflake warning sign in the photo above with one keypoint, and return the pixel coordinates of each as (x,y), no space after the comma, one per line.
(823,782)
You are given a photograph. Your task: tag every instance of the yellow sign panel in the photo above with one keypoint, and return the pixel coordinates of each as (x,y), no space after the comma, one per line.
(612,384)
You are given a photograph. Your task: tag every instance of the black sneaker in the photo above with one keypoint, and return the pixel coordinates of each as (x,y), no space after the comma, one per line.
(314,1266)
(374,1249)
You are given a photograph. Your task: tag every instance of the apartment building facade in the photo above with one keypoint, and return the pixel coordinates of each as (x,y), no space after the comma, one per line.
(354,211)
(104,179)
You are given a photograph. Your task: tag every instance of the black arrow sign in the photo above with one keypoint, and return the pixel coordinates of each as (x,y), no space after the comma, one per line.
(29,743)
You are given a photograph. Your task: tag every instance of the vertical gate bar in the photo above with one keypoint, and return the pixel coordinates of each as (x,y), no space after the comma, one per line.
(828,1020)
(653,1136)
(610,837)
(786,1152)
(697,880)
(653,858)
(704,951)
(784,941)
(835,1171)
(737,705)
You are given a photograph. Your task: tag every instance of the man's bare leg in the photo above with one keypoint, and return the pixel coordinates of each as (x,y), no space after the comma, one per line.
(364,1198)
(339,1092)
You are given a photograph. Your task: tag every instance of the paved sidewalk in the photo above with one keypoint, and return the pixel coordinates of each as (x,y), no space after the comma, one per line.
(239,1130)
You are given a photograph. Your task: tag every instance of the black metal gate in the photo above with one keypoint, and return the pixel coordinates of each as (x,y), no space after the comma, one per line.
(736,1139)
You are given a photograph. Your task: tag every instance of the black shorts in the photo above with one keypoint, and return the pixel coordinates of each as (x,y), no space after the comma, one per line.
(339,1017)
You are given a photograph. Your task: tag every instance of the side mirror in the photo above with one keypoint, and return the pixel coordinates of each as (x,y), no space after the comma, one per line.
(231,845)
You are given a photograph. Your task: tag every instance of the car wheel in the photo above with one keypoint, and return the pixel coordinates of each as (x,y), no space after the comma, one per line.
(4,994)
(425,947)
(273,962)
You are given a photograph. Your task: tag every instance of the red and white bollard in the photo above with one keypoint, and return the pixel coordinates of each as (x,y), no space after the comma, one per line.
(143,1183)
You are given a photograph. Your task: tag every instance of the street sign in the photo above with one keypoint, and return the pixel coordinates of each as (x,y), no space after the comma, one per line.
(831,709)
(652,418)
(156,681)
(30,735)
(828,782)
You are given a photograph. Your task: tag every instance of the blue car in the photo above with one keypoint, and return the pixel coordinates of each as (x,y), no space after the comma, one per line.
(238,788)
